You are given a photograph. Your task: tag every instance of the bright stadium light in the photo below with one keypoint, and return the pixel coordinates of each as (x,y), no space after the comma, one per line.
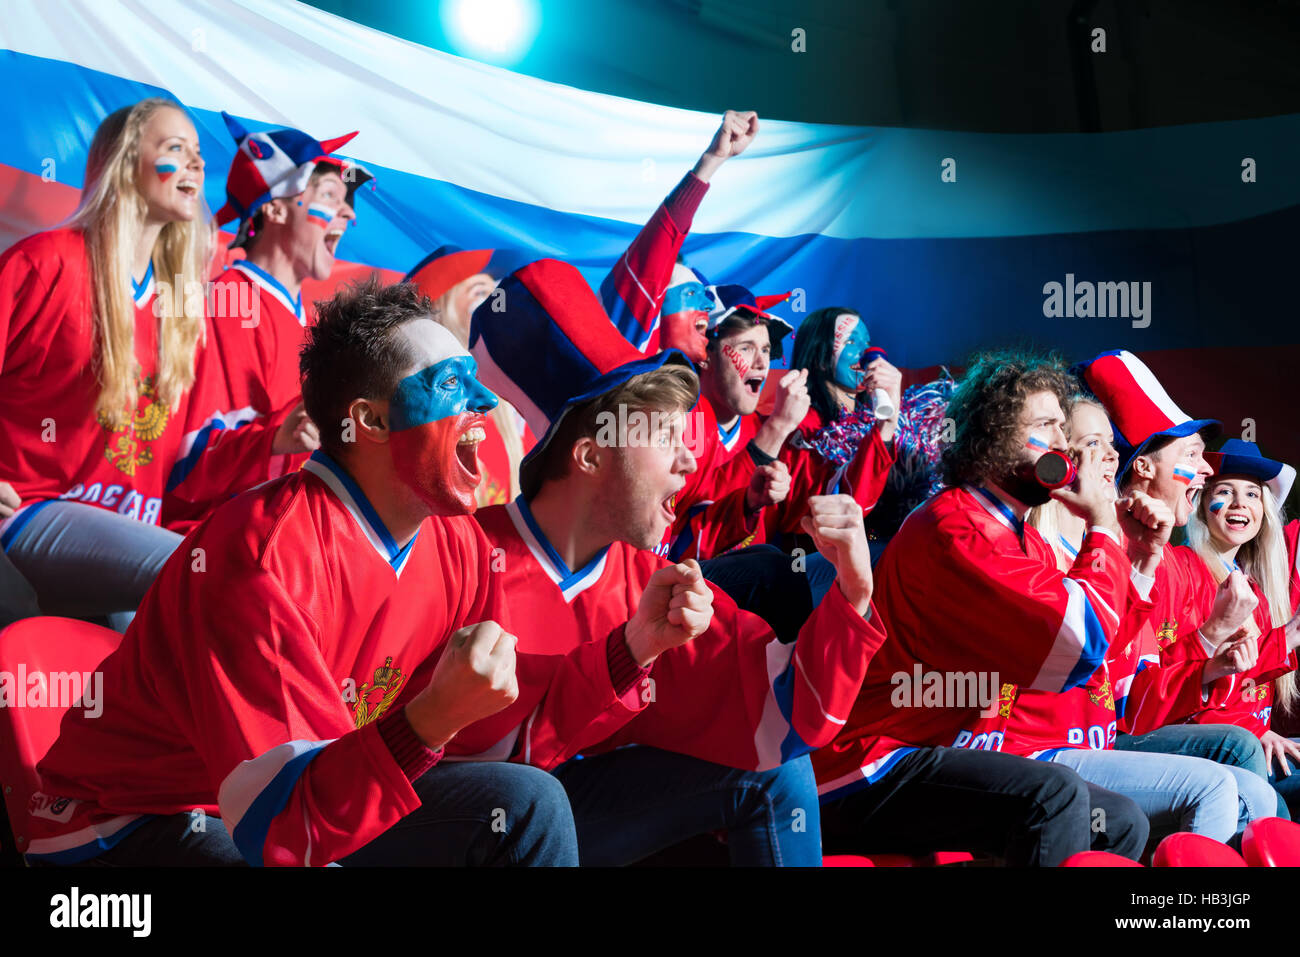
(496,31)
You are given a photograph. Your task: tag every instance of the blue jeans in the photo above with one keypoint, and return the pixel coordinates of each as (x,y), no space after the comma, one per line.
(1233,747)
(88,562)
(1175,792)
(1287,786)
(779,588)
(458,823)
(635,801)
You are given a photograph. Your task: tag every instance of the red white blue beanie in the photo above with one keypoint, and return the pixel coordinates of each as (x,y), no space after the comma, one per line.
(545,345)
(1141,411)
(276,163)
(1237,457)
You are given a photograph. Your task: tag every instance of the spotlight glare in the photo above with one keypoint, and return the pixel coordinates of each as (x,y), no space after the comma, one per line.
(495,31)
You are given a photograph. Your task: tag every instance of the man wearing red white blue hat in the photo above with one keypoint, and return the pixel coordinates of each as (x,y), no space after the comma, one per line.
(1162,454)
(717,702)
(293,202)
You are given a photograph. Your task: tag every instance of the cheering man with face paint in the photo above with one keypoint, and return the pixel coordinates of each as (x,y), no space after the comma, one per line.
(293,201)
(968,591)
(315,644)
(724,711)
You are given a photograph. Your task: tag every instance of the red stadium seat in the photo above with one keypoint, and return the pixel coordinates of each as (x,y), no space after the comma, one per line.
(937,859)
(846,860)
(42,645)
(1097,859)
(1271,842)
(1185,849)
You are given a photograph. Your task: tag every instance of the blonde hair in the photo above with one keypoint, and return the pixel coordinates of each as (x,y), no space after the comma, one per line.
(1263,558)
(1046,518)
(111,216)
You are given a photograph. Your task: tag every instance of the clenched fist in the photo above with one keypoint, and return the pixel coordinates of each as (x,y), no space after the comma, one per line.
(768,485)
(1232,658)
(733,137)
(1147,523)
(835,524)
(676,606)
(9,500)
(1234,604)
(474,678)
(297,433)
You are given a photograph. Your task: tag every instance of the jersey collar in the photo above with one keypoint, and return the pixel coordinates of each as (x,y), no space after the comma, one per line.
(997,508)
(571,584)
(728,436)
(354,500)
(142,290)
(273,286)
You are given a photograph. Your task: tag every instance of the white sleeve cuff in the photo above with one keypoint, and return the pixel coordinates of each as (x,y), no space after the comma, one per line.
(1206,644)
(1143,583)
(1107,532)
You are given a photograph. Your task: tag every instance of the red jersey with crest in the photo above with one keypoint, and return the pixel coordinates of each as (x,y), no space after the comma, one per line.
(55,447)
(1251,705)
(734,695)
(250,681)
(863,476)
(970,605)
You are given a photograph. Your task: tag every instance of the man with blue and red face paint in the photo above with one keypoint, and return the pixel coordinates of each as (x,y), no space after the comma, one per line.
(316,643)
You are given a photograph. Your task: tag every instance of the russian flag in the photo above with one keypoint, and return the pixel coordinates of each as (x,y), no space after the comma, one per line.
(482,158)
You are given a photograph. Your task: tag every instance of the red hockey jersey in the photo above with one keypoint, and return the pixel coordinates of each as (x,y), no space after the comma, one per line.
(863,476)
(247,373)
(55,448)
(1251,706)
(250,681)
(734,695)
(969,608)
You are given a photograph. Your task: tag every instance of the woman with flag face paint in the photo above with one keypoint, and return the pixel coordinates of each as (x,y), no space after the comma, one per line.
(97,367)
(1237,526)
(840,446)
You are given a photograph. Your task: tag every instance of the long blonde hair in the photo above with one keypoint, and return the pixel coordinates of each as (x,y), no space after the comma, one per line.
(1263,558)
(111,215)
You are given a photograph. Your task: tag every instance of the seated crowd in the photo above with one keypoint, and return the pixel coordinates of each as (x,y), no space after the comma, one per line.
(488,567)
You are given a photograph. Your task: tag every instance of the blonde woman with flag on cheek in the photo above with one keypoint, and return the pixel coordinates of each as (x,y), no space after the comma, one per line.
(97,363)
(1238,527)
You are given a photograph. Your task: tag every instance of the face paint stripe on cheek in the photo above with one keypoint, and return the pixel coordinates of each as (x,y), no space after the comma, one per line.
(1183,474)
(1217,506)
(1034,442)
(165,169)
(738,362)
(423,397)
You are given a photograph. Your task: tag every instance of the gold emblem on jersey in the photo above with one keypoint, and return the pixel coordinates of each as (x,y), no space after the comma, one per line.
(1006,698)
(374,698)
(1167,632)
(1257,693)
(125,447)
(1104,696)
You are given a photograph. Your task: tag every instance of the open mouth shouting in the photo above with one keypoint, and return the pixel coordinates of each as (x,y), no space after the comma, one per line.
(332,238)
(1237,521)
(189,186)
(467,447)
(754,385)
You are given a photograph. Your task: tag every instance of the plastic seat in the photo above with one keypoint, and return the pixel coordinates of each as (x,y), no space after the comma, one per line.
(1185,849)
(846,860)
(47,646)
(1271,842)
(937,859)
(1097,859)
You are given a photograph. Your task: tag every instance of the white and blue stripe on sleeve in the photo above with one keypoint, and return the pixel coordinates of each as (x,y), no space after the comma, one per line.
(257,790)
(1080,646)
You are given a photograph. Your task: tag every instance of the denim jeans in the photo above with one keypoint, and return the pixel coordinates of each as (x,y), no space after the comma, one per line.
(632,802)
(1029,813)
(1175,792)
(88,562)
(1287,785)
(472,813)
(1233,747)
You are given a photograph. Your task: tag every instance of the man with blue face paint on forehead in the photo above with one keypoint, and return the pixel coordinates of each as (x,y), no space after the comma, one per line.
(363,573)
